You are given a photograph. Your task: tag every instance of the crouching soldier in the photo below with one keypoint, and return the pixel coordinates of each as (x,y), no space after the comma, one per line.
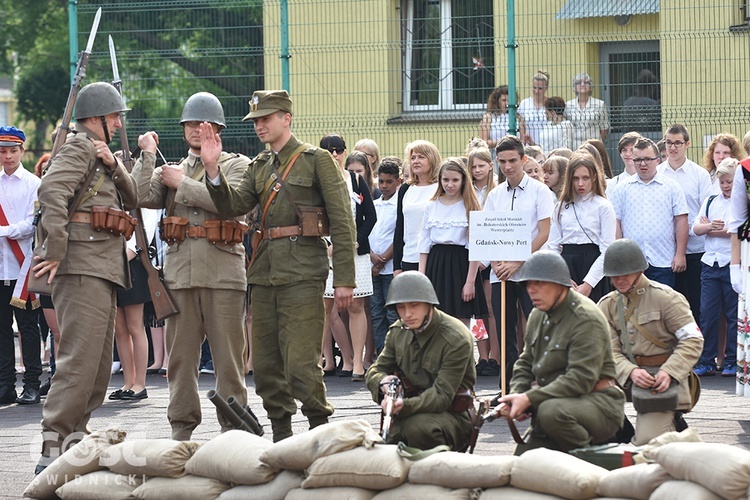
(655,341)
(565,377)
(432,354)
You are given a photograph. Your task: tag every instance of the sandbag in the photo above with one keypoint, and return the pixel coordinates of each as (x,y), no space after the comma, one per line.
(80,459)
(232,457)
(376,468)
(460,470)
(638,481)
(431,491)
(180,488)
(100,485)
(672,490)
(298,452)
(150,457)
(340,493)
(511,493)
(277,489)
(556,473)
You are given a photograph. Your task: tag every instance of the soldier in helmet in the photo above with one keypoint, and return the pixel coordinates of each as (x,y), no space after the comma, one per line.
(564,378)
(203,269)
(433,355)
(83,265)
(655,339)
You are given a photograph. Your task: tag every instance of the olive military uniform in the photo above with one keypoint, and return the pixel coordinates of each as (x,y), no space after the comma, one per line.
(207,283)
(288,278)
(566,353)
(438,361)
(92,264)
(664,314)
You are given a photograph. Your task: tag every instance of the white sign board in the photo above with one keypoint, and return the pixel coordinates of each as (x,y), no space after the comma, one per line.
(501,235)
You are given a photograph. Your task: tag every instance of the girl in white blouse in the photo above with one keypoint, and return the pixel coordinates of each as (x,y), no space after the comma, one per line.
(583,226)
(443,244)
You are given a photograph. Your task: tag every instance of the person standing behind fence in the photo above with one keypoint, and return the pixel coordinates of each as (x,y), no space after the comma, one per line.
(204,274)
(587,114)
(291,261)
(533,109)
(722,146)
(495,122)
(557,132)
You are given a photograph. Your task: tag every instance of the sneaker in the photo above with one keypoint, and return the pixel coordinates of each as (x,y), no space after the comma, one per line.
(703,369)
(208,367)
(481,366)
(116,367)
(728,369)
(492,369)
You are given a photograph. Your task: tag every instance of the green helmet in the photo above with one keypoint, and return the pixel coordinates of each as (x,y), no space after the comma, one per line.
(203,107)
(98,99)
(411,286)
(546,265)
(624,257)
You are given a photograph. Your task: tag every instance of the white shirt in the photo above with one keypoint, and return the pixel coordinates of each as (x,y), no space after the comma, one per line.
(646,213)
(149,222)
(17,197)
(556,135)
(498,126)
(615,181)
(588,122)
(444,225)
(717,249)
(740,199)
(591,219)
(414,202)
(529,196)
(695,182)
(535,118)
(381,236)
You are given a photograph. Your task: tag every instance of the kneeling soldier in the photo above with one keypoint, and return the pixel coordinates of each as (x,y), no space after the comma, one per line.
(432,354)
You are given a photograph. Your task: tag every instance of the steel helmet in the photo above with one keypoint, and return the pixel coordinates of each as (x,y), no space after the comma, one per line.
(98,99)
(624,257)
(203,107)
(411,286)
(546,265)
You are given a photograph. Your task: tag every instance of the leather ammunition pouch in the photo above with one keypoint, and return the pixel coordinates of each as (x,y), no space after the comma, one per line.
(173,229)
(226,232)
(108,219)
(313,221)
(462,401)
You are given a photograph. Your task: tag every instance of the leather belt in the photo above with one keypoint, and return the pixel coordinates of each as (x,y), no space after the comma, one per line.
(273,233)
(196,232)
(83,217)
(603,383)
(656,360)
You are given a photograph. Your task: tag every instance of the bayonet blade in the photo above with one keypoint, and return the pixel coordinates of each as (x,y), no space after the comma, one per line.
(113,59)
(94,29)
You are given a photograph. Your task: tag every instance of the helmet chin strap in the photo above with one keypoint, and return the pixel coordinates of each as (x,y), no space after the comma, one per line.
(422,326)
(635,281)
(557,300)
(107,138)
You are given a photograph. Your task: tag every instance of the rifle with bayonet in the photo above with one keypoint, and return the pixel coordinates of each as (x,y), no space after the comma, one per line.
(164,306)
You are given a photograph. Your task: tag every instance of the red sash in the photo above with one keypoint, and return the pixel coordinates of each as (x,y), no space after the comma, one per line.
(20,257)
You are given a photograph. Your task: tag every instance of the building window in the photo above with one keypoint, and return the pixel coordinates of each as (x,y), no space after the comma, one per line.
(447,54)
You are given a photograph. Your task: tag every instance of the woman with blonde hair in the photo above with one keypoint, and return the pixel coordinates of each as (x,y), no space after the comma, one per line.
(533,108)
(583,226)
(371,149)
(554,174)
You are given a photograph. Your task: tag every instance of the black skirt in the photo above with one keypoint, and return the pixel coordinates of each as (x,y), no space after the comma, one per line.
(580,258)
(138,293)
(447,268)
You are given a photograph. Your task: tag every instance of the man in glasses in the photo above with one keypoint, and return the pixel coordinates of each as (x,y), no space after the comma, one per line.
(695,182)
(651,210)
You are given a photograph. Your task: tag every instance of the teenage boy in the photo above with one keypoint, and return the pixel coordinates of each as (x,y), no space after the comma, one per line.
(519,192)
(381,248)
(695,182)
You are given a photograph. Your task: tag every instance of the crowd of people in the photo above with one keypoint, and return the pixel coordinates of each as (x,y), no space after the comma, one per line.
(328,236)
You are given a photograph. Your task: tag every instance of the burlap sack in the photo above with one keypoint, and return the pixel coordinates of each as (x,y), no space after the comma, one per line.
(150,457)
(341,493)
(377,468)
(232,457)
(100,485)
(637,481)
(181,488)
(461,470)
(81,459)
(430,491)
(556,473)
(686,490)
(510,493)
(275,490)
(299,451)
(721,468)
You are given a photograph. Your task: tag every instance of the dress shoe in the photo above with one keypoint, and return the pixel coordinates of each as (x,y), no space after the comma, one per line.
(29,396)
(358,377)
(132,396)
(8,395)
(152,371)
(44,388)
(345,373)
(162,371)
(117,394)
(329,373)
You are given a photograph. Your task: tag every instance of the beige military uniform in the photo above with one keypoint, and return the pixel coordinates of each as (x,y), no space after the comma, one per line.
(207,282)
(665,315)
(92,264)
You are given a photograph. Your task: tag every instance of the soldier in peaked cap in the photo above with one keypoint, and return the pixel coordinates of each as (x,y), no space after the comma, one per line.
(83,265)
(205,277)
(565,376)
(290,266)
(18,192)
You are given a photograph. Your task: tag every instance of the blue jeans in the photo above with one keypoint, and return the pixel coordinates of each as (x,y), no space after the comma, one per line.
(716,291)
(663,275)
(382,317)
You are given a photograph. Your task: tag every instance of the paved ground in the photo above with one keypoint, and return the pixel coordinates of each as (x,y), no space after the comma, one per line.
(719,417)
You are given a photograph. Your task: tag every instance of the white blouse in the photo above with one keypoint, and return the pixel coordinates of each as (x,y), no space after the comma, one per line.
(591,219)
(414,203)
(444,225)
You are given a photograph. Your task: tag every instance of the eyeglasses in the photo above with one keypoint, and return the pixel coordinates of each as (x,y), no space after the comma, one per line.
(338,151)
(677,144)
(643,161)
